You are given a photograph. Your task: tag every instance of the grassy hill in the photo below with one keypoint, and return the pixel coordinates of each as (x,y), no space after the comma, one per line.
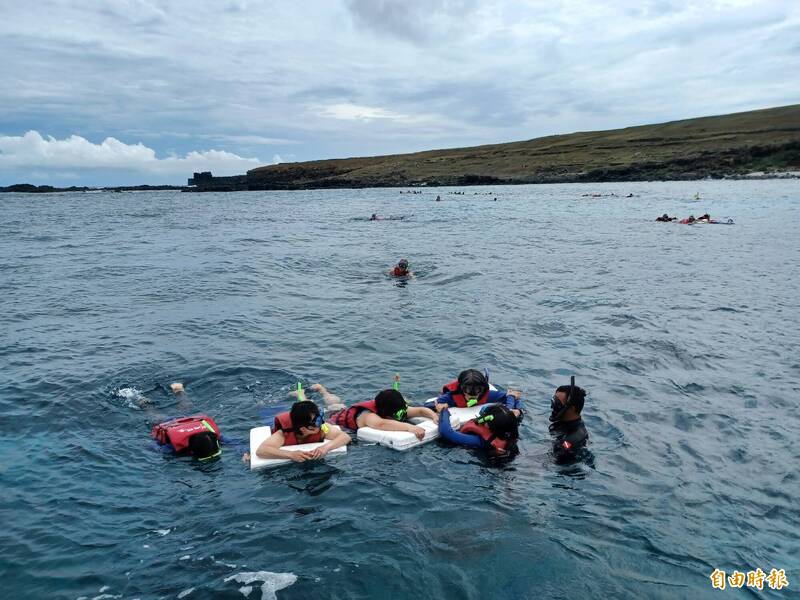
(721,146)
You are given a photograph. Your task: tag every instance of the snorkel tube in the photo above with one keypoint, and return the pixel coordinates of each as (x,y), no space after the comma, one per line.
(301,395)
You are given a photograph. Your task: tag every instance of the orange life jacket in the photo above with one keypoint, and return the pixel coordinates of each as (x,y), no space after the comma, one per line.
(283,422)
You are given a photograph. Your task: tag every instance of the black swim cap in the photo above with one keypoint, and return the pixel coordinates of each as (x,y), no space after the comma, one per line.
(403,264)
(204,445)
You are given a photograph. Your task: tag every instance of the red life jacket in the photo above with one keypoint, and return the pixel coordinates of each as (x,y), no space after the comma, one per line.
(485,434)
(178,431)
(459,398)
(398,272)
(283,421)
(347,418)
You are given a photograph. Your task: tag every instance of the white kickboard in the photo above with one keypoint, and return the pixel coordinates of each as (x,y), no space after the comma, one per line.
(404,440)
(259,434)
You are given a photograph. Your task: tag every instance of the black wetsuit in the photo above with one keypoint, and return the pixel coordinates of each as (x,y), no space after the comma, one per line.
(568,437)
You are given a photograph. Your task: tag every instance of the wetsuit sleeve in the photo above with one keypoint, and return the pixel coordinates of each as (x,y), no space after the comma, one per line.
(462,439)
(500,397)
(445,398)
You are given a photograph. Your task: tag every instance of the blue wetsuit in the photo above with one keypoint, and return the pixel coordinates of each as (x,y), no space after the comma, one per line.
(495,397)
(462,439)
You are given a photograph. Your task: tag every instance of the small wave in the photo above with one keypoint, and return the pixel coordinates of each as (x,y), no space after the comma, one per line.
(273,582)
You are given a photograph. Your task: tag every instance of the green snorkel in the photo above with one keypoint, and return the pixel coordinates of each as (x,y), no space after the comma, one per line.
(400,415)
(301,395)
(396,382)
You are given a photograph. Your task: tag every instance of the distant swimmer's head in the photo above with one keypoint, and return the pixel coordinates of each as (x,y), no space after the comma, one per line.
(503,424)
(403,264)
(567,397)
(472,383)
(665,216)
(306,415)
(205,445)
(390,404)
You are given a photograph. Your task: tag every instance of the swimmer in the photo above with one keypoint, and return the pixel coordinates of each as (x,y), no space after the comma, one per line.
(688,220)
(401,269)
(496,430)
(706,217)
(196,435)
(471,389)
(303,424)
(387,412)
(438,198)
(665,218)
(375,217)
(566,425)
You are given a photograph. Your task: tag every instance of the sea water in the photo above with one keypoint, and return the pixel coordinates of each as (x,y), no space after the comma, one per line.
(686,338)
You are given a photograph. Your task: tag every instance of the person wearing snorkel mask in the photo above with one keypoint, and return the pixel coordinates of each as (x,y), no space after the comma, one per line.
(566,425)
(401,269)
(196,435)
(495,430)
(303,424)
(472,389)
(388,412)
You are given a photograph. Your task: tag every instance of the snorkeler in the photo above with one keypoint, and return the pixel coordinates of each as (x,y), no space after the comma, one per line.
(471,389)
(197,435)
(303,424)
(401,269)
(566,425)
(496,430)
(665,218)
(387,412)
(375,217)
(688,220)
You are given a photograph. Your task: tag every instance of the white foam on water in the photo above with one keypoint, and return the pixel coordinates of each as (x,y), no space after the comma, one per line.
(133,397)
(185,557)
(273,582)
(162,532)
(105,588)
(185,593)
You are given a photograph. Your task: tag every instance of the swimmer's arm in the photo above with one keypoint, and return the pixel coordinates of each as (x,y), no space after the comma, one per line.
(271,448)
(335,438)
(370,419)
(421,411)
(462,439)
(512,400)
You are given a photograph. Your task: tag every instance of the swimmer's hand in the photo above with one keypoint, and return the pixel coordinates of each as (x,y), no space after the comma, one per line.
(176,387)
(418,431)
(440,407)
(300,456)
(516,393)
(318,453)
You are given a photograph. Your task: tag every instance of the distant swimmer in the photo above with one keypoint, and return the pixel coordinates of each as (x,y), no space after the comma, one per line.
(697,195)
(438,198)
(706,217)
(375,217)
(196,434)
(665,218)
(688,220)
(304,423)
(401,269)
(495,429)
(566,425)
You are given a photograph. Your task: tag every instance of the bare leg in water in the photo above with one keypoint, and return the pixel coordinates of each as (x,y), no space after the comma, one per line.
(332,401)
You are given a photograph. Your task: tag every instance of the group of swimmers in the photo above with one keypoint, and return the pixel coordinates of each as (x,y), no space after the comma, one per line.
(706,218)
(495,429)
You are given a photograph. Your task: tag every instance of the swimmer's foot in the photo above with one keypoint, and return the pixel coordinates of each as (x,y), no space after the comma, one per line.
(176,387)
(318,387)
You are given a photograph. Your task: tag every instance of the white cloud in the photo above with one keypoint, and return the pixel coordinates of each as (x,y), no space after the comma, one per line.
(34,151)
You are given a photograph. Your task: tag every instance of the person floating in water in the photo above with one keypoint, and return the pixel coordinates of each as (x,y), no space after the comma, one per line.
(665,218)
(401,269)
(438,198)
(375,217)
(566,425)
(388,411)
(196,435)
(688,220)
(303,424)
(472,389)
(706,217)
(495,430)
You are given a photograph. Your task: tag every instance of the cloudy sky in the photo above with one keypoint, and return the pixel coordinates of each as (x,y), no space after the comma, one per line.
(148,91)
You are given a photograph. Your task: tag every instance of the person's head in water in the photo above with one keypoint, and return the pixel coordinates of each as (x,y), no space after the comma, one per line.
(665,216)
(390,404)
(567,406)
(502,423)
(204,446)
(472,383)
(306,418)
(374,217)
(402,266)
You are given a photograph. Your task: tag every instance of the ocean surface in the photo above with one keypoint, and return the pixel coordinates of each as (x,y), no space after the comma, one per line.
(687,339)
